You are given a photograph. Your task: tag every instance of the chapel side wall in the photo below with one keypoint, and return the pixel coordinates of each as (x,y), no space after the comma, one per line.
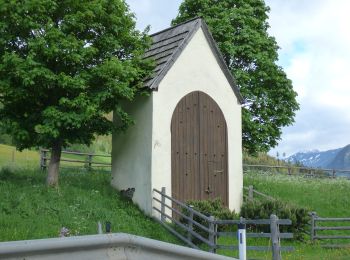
(196,69)
(132,154)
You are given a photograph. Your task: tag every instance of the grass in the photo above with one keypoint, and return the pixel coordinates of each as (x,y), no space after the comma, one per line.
(30,210)
(9,156)
(328,197)
(31,158)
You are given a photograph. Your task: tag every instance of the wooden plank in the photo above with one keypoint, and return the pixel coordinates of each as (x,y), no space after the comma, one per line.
(184,216)
(183,205)
(294,168)
(338,246)
(331,219)
(332,237)
(276,249)
(333,228)
(263,195)
(206,241)
(256,248)
(254,235)
(254,222)
(78,161)
(80,153)
(175,233)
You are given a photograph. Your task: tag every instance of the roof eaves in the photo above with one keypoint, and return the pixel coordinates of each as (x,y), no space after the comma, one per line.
(176,54)
(221,61)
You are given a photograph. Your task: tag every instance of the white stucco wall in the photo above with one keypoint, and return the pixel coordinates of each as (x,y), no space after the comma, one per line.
(132,154)
(196,69)
(141,157)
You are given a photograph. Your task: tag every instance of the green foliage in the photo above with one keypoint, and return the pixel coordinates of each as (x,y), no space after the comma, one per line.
(213,208)
(5,139)
(29,210)
(262,159)
(209,208)
(263,209)
(240,29)
(64,65)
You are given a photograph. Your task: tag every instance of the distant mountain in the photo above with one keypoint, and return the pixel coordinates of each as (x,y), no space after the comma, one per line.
(333,159)
(342,159)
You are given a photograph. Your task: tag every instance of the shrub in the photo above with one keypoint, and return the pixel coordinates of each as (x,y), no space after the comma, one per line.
(263,209)
(208,208)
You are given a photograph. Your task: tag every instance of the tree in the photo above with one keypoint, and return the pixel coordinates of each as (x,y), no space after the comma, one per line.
(240,29)
(63,66)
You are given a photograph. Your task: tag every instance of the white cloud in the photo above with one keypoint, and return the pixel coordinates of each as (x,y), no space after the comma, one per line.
(157,13)
(314,40)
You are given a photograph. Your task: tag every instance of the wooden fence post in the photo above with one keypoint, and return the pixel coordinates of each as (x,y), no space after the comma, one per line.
(275,242)
(162,207)
(43,159)
(190,224)
(313,225)
(90,161)
(212,235)
(250,192)
(13,155)
(333,173)
(289,171)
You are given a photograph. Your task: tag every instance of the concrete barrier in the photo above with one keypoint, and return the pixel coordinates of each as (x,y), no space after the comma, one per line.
(107,246)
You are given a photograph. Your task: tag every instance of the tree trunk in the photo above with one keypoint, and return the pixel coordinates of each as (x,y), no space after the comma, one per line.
(52,175)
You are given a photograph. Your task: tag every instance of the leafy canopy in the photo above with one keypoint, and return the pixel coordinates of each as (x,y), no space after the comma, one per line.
(240,29)
(64,65)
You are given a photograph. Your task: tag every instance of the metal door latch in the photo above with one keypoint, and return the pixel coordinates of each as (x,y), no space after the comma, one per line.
(208,191)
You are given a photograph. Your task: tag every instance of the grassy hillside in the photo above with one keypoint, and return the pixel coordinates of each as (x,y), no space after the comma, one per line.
(262,159)
(327,197)
(30,210)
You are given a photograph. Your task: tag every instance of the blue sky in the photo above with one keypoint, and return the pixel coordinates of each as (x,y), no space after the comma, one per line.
(314,37)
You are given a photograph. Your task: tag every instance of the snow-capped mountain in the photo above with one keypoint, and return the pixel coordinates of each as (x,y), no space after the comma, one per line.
(319,159)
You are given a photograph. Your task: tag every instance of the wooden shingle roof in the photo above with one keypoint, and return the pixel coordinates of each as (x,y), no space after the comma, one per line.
(167,45)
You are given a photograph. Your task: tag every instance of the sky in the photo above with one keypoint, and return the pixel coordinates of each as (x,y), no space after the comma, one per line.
(314,40)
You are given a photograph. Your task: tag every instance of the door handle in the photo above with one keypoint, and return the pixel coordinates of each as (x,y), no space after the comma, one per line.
(208,191)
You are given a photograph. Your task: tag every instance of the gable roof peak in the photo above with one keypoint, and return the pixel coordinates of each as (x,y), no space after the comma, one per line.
(168,44)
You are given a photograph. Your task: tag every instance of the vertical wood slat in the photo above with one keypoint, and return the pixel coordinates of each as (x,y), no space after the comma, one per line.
(276,250)
(313,225)
(199,149)
(211,237)
(190,224)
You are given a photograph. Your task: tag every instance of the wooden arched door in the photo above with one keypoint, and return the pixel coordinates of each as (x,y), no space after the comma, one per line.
(199,150)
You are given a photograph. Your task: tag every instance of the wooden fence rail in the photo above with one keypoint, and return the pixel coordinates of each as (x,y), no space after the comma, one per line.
(305,171)
(316,228)
(251,193)
(87,159)
(173,218)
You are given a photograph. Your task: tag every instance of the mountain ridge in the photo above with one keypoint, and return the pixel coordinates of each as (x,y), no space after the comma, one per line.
(334,159)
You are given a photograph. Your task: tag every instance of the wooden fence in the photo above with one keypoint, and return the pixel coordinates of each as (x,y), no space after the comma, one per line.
(318,228)
(87,159)
(194,224)
(251,193)
(304,171)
